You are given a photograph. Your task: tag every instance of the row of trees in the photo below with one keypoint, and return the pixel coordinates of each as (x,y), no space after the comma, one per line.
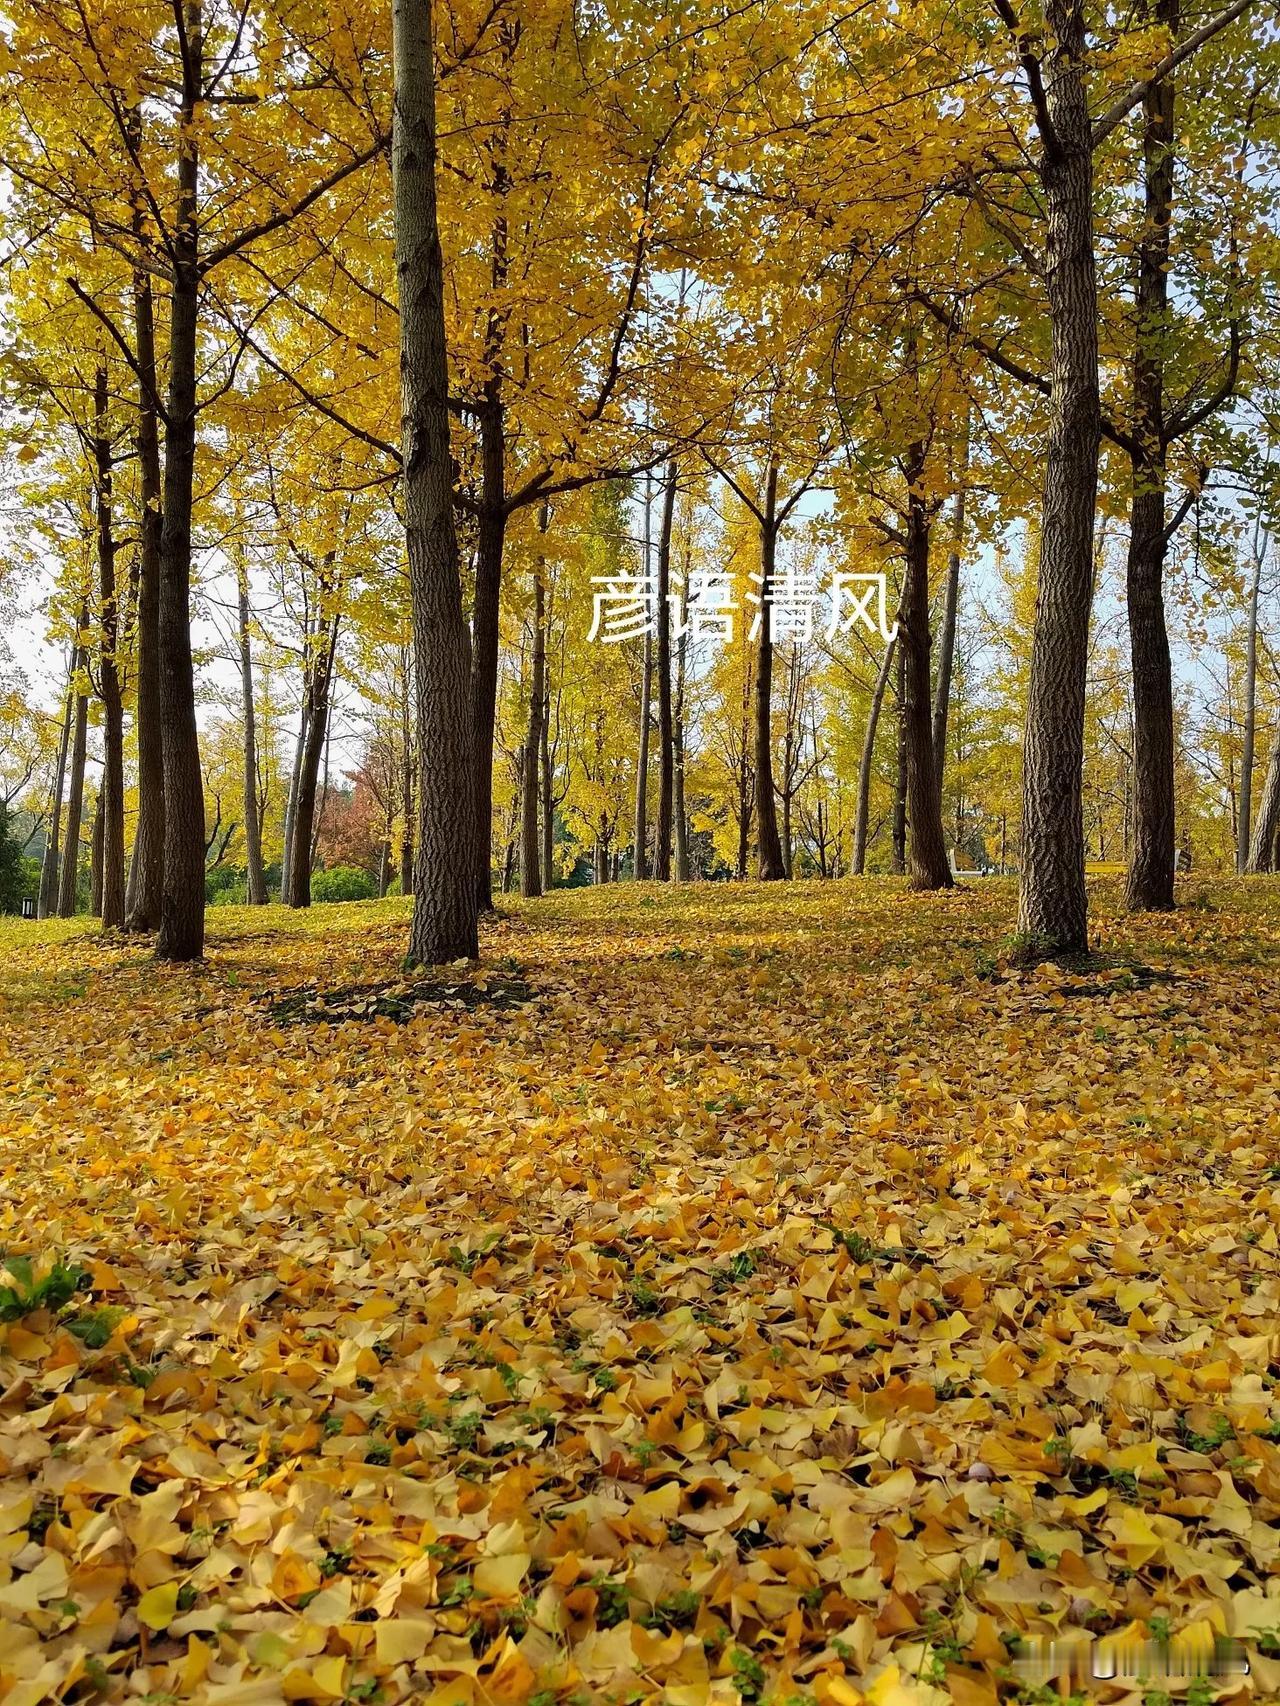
(892,291)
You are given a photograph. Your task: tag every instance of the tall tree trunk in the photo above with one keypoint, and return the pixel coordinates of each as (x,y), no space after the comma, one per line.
(252,821)
(182,904)
(491,538)
(666,748)
(1052,910)
(111,798)
(406,780)
(320,665)
(677,751)
(930,868)
(444,926)
(899,831)
(947,635)
(867,759)
(1266,827)
(69,877)
(96,841)
(291,799)
(1245,816)
(1151,859)
(530,828)
(768,843)
(640,861)
(146,870)
(48,902)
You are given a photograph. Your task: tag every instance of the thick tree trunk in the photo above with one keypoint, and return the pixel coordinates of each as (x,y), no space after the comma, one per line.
(530,827)
(769,846)
(444,926)
(182,903)
(1151,859)
(257,882)
(867,759)
(666,747)
(1052,914)
(1266,827)
(930,868)
(48,901)
(146,870)
(899,827)
(491,537)
(947,635)
(1245,816)
(677,751)
(110,827)
(69,877)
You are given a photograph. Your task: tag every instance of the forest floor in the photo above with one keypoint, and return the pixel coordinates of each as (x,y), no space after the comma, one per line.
(733,1294)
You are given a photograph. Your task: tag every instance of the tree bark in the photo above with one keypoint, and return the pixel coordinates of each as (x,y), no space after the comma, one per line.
(109,827)
(1151,859)
(530,827)
(1266,828)
(929,866)
(146,870)
(947,635)
(69,877)
(182,903)
(867,759)
(677,752)
(319,685)
(257,882)
(666,748)
(96,839)
(406,780)
(48,901)
(444,925)
(769,846)
(1244,818)
(899,828)
(640,860)
(1052,910)
(491,538)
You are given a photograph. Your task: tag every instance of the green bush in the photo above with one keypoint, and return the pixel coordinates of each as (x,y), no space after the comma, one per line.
(343,882)
(224,885)
(15,870)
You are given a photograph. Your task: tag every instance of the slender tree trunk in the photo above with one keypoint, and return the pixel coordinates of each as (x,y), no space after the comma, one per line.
(547,800)
(444,926)
(677,751)
(252,821)
(930,867)
(182,905)
(1052,911)
(900,775)
(1151,859)
(48,902)
(146,871)
(384,866)
(70,874)
(768,843)
(947,636)
(298,893)
(110,826)
(867,759)
(1244,819)
(96,840)
(291,799)
(744,776)
(640,861)
(666,747)
(530,827)
(491,539)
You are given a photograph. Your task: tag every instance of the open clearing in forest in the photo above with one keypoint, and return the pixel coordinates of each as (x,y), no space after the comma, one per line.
(735,1293)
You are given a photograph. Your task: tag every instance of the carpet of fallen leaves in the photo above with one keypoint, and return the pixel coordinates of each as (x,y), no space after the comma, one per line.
(734,1295)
